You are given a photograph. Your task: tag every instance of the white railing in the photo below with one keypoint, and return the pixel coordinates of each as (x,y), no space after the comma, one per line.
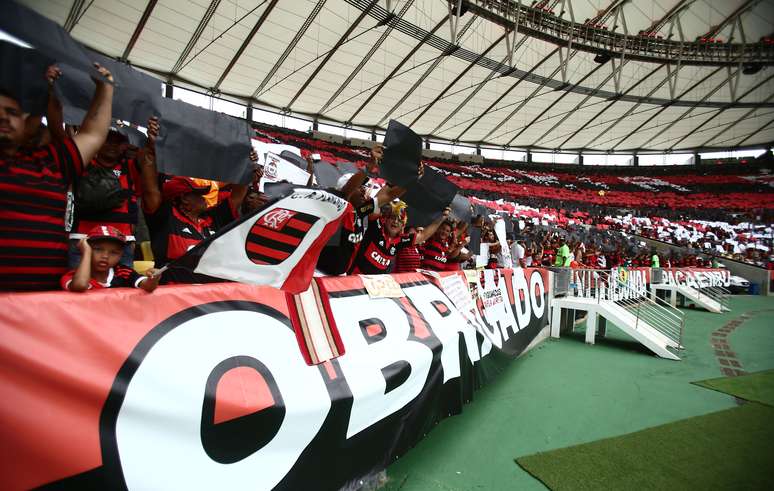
(716,293)
(601,285)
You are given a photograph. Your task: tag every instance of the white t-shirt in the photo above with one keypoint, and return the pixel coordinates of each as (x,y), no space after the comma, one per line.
(517,252)
(601,261)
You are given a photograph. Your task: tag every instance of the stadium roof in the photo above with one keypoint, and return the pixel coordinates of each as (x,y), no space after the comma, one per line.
(676,74)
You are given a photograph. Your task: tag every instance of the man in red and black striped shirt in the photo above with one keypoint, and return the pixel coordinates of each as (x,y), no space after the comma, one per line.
(385,237)
(435,254)
(183,220)
(33,191)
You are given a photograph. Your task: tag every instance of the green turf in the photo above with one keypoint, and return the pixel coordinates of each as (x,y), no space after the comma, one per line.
(757,387)
(566,393)
(729,449)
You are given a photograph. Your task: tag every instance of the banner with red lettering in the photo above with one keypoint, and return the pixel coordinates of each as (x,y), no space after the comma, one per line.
(697,277)
(208,387)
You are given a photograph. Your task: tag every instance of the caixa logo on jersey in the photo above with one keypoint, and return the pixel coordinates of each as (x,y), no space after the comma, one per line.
(219,396)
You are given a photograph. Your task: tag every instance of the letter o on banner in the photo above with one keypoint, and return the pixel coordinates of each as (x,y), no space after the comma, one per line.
(157,428)
(538,300)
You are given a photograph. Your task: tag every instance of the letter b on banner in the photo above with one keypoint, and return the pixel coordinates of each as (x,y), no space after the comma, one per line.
(365,365)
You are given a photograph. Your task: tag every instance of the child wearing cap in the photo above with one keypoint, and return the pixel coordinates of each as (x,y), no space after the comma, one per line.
(100,254)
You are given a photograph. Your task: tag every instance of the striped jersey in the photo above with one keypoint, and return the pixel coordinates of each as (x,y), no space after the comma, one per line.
(377,251)
(434,256)
(173,234)
(408,260)
(336,258)
(33,199)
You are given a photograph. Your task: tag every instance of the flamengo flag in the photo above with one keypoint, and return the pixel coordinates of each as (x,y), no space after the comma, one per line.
(276,246)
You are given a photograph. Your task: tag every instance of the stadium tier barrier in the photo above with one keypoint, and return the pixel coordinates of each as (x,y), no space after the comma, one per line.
(233,385)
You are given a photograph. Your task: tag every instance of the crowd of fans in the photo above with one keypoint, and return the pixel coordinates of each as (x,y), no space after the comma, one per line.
(74,199)
(706,209)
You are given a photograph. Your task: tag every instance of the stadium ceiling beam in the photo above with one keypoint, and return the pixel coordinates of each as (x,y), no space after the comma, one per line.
(550,106)
(504,94)
(672,13)
(395,70)
(418,33)
(470,96)
(290,47)
(332,52)
(690,110)
(669,103)
(572,111)
(522,104)
(614,9)
(194,38)
(744,8)
(563,61)
(537,23)
(665,107)
(138,29)
(456,79)
(608,106)
(512,46)
(268,10)
(604,13)
(77,9)
(673,18)
(728,127)
(427,72)
(366,58)
(742,142)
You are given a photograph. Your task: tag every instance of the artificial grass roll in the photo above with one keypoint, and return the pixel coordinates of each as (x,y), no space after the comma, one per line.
(729,449)
(758,386)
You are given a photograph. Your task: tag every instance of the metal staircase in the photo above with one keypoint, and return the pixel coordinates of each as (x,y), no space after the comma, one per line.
(651,321)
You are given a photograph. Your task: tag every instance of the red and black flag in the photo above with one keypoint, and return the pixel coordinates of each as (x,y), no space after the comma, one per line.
(277,245)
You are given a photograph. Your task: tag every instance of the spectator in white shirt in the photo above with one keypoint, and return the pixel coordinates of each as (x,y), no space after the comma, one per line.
(517,253)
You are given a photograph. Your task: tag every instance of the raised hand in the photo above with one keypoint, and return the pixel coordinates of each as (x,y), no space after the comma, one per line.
(104,72)
(52,74)
(153,131)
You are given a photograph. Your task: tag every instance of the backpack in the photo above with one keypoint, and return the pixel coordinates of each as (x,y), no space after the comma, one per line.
(99,190)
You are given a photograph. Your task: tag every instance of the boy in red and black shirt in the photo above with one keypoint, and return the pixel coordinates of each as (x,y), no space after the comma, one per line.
(99,268)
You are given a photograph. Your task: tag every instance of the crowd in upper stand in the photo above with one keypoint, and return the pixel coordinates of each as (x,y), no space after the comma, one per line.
(691,208)
(76,201)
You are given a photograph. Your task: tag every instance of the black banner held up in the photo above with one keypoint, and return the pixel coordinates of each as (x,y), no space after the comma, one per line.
(196,142)
(22,74)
